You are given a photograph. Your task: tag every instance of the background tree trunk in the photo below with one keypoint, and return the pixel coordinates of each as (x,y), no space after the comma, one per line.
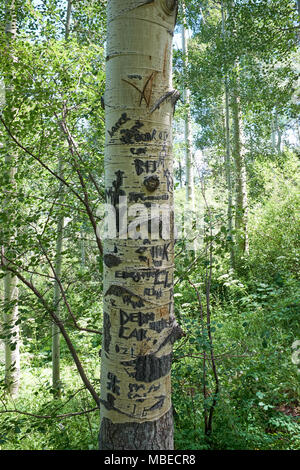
(189,173)
(228,154)
(139,323)
(11,293)
(241,200)
(56,381)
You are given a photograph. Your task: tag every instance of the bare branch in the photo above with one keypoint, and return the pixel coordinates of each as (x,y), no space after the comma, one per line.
(67,415)
(60,324)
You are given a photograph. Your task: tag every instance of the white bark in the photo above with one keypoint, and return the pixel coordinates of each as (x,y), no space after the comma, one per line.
(241,200)
(189,173)
(228,153)
(139,323)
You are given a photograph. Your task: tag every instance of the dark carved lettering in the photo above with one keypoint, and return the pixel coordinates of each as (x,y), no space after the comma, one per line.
(152,292)
(136,317)
(106,328)
(139,333)
(158,326)
(123,119)
(128,297)
(113,383)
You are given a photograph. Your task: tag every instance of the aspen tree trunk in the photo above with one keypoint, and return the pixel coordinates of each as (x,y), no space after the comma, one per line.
(228,173)
(276,144)
(228,154)
(139,323)
(238,151)
(12,335)
(82,248)
(278,132)
(273,134)
(56,380)
(180,173)
(11,294)
(189,174)
(241,200)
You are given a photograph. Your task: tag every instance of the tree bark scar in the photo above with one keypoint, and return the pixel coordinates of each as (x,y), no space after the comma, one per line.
(165,59)
(128,297)
(147,88)
(174,95)
(151,182)
(106,330)
(111,260)
(150,368)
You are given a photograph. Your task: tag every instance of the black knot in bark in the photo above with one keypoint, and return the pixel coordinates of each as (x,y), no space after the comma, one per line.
(111,260)
(151,182)
(169,6)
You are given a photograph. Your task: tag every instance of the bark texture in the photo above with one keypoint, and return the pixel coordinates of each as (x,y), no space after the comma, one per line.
(150,435)
(139,324)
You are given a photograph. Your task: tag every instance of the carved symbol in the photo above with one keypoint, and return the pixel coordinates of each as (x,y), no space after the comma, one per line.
(116,191)
(128,297)
(152,292)
(123,119)
(133,389)
(148,85)
(107,336)
(136,317)
(112,384)
(157,405)
(160,251)
(139,151)
(169,179)
(151,182)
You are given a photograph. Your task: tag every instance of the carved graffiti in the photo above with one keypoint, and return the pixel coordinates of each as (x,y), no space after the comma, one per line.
(123,119)
(115,192)
(113,383)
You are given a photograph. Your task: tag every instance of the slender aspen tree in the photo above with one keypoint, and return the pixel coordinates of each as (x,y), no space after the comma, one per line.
(241,199)
(139,324)
(189,173)
(238,153)
(11,293)
(228,152)
(56,380)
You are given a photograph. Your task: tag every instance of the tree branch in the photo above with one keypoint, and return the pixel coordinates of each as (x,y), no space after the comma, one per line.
(60,324)
(67,415)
